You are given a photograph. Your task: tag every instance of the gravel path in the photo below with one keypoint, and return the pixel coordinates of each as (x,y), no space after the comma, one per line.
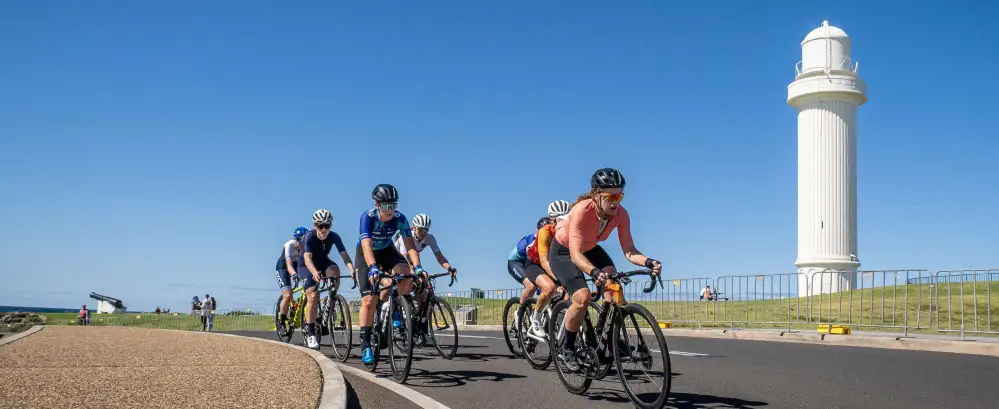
(115,367)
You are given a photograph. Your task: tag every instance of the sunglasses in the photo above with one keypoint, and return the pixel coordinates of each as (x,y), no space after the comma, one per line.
(613,197)
(387,207)
(324,226)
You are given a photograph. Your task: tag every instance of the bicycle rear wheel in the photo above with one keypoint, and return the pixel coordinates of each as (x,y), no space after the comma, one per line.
(400,342)
(537,351)
(639,345)
(443,327)
(341,331)
(510,333)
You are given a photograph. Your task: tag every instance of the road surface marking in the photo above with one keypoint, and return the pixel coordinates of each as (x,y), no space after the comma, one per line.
(418,398)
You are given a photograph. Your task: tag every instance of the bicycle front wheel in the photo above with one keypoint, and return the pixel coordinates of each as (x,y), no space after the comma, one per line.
(641,357)
(510,333)
(443,327)
(341,331)
(284,334)
(400,339)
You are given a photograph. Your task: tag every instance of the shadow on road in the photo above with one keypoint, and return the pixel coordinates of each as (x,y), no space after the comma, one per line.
(693,400)
(482,357)
(423,377)
(352,400)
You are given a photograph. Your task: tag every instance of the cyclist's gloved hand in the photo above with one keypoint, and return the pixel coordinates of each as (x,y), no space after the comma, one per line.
(653,264)
(598,275)
(418,269)
(373,272)
(452,270)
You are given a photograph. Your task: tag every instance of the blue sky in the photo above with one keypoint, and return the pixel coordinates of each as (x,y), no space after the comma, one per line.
(152,151)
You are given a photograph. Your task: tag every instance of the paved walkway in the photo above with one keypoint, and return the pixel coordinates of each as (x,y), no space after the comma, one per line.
(115,367)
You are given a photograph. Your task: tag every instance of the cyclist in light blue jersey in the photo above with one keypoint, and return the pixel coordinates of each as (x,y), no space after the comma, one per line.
(375,250)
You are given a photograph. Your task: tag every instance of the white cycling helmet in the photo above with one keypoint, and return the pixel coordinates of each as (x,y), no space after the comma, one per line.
(558,208)
(422,221)
(322,216)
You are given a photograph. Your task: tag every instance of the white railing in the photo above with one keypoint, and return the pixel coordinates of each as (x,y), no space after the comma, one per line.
(845,64)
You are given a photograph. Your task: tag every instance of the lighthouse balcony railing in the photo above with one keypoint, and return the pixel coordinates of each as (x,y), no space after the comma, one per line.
(843,64)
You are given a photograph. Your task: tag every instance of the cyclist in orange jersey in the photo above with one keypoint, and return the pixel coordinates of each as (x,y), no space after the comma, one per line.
(575,250)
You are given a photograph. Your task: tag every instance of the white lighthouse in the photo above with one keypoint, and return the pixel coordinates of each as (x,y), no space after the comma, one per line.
(826,92)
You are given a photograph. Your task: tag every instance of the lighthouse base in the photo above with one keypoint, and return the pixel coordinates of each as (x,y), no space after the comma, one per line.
(825,280)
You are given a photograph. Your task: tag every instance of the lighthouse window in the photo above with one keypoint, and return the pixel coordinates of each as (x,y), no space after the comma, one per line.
(822,225)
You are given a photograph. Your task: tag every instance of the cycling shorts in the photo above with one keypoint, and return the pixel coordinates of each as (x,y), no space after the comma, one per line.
(323,265)
(516,269)
(386,258)
(533,271)
(284,277)
(567,272)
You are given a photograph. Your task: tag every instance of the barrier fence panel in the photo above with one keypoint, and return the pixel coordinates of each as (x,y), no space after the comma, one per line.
(769,299)
(678,301)
(948,301)
(964,301)
(899,299)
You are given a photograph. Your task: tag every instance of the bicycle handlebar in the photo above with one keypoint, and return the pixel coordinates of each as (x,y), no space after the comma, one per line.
(453,278)
(624,279)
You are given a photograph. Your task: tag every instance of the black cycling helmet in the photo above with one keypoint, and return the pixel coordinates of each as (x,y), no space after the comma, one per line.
(607,178)
(385,193)
(543,221)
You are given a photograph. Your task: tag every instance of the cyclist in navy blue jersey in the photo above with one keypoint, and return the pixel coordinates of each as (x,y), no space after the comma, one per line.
(376,251)
(314,264)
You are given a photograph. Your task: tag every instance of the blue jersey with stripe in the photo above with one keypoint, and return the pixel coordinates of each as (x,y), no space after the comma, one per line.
(380,232)
(519,252)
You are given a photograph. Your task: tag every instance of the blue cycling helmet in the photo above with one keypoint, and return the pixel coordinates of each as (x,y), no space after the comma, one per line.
(300,232)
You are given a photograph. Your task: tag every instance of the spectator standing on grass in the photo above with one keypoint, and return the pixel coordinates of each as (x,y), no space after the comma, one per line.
(206,313)
(84,318)
(195,305)
(211,317)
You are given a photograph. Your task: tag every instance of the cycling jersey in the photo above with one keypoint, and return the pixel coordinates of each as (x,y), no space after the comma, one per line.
(418,245)
(320,249)
(519,252)
(542,243)
(380,232)
(291,252)
(584,228)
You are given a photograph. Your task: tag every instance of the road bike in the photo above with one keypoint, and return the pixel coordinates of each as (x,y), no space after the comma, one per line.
(609,342)
(435,317)
(333,318)
(384,334)
(535,348)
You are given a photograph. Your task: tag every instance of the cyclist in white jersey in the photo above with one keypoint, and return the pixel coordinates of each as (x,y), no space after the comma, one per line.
(421,240)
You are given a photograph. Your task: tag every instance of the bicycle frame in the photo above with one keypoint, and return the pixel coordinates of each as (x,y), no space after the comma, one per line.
(611,311)
(325,284)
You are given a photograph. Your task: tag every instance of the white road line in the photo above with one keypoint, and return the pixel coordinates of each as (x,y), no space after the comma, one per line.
(418,398)
(654,350)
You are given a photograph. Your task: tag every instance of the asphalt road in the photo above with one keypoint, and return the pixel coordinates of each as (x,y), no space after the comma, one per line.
(707,373)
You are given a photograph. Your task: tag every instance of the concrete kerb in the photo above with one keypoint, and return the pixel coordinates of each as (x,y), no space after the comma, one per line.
(11,338)
(885,342)
(334,394)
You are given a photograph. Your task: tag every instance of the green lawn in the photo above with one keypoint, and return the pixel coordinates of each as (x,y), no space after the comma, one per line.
(180,321)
